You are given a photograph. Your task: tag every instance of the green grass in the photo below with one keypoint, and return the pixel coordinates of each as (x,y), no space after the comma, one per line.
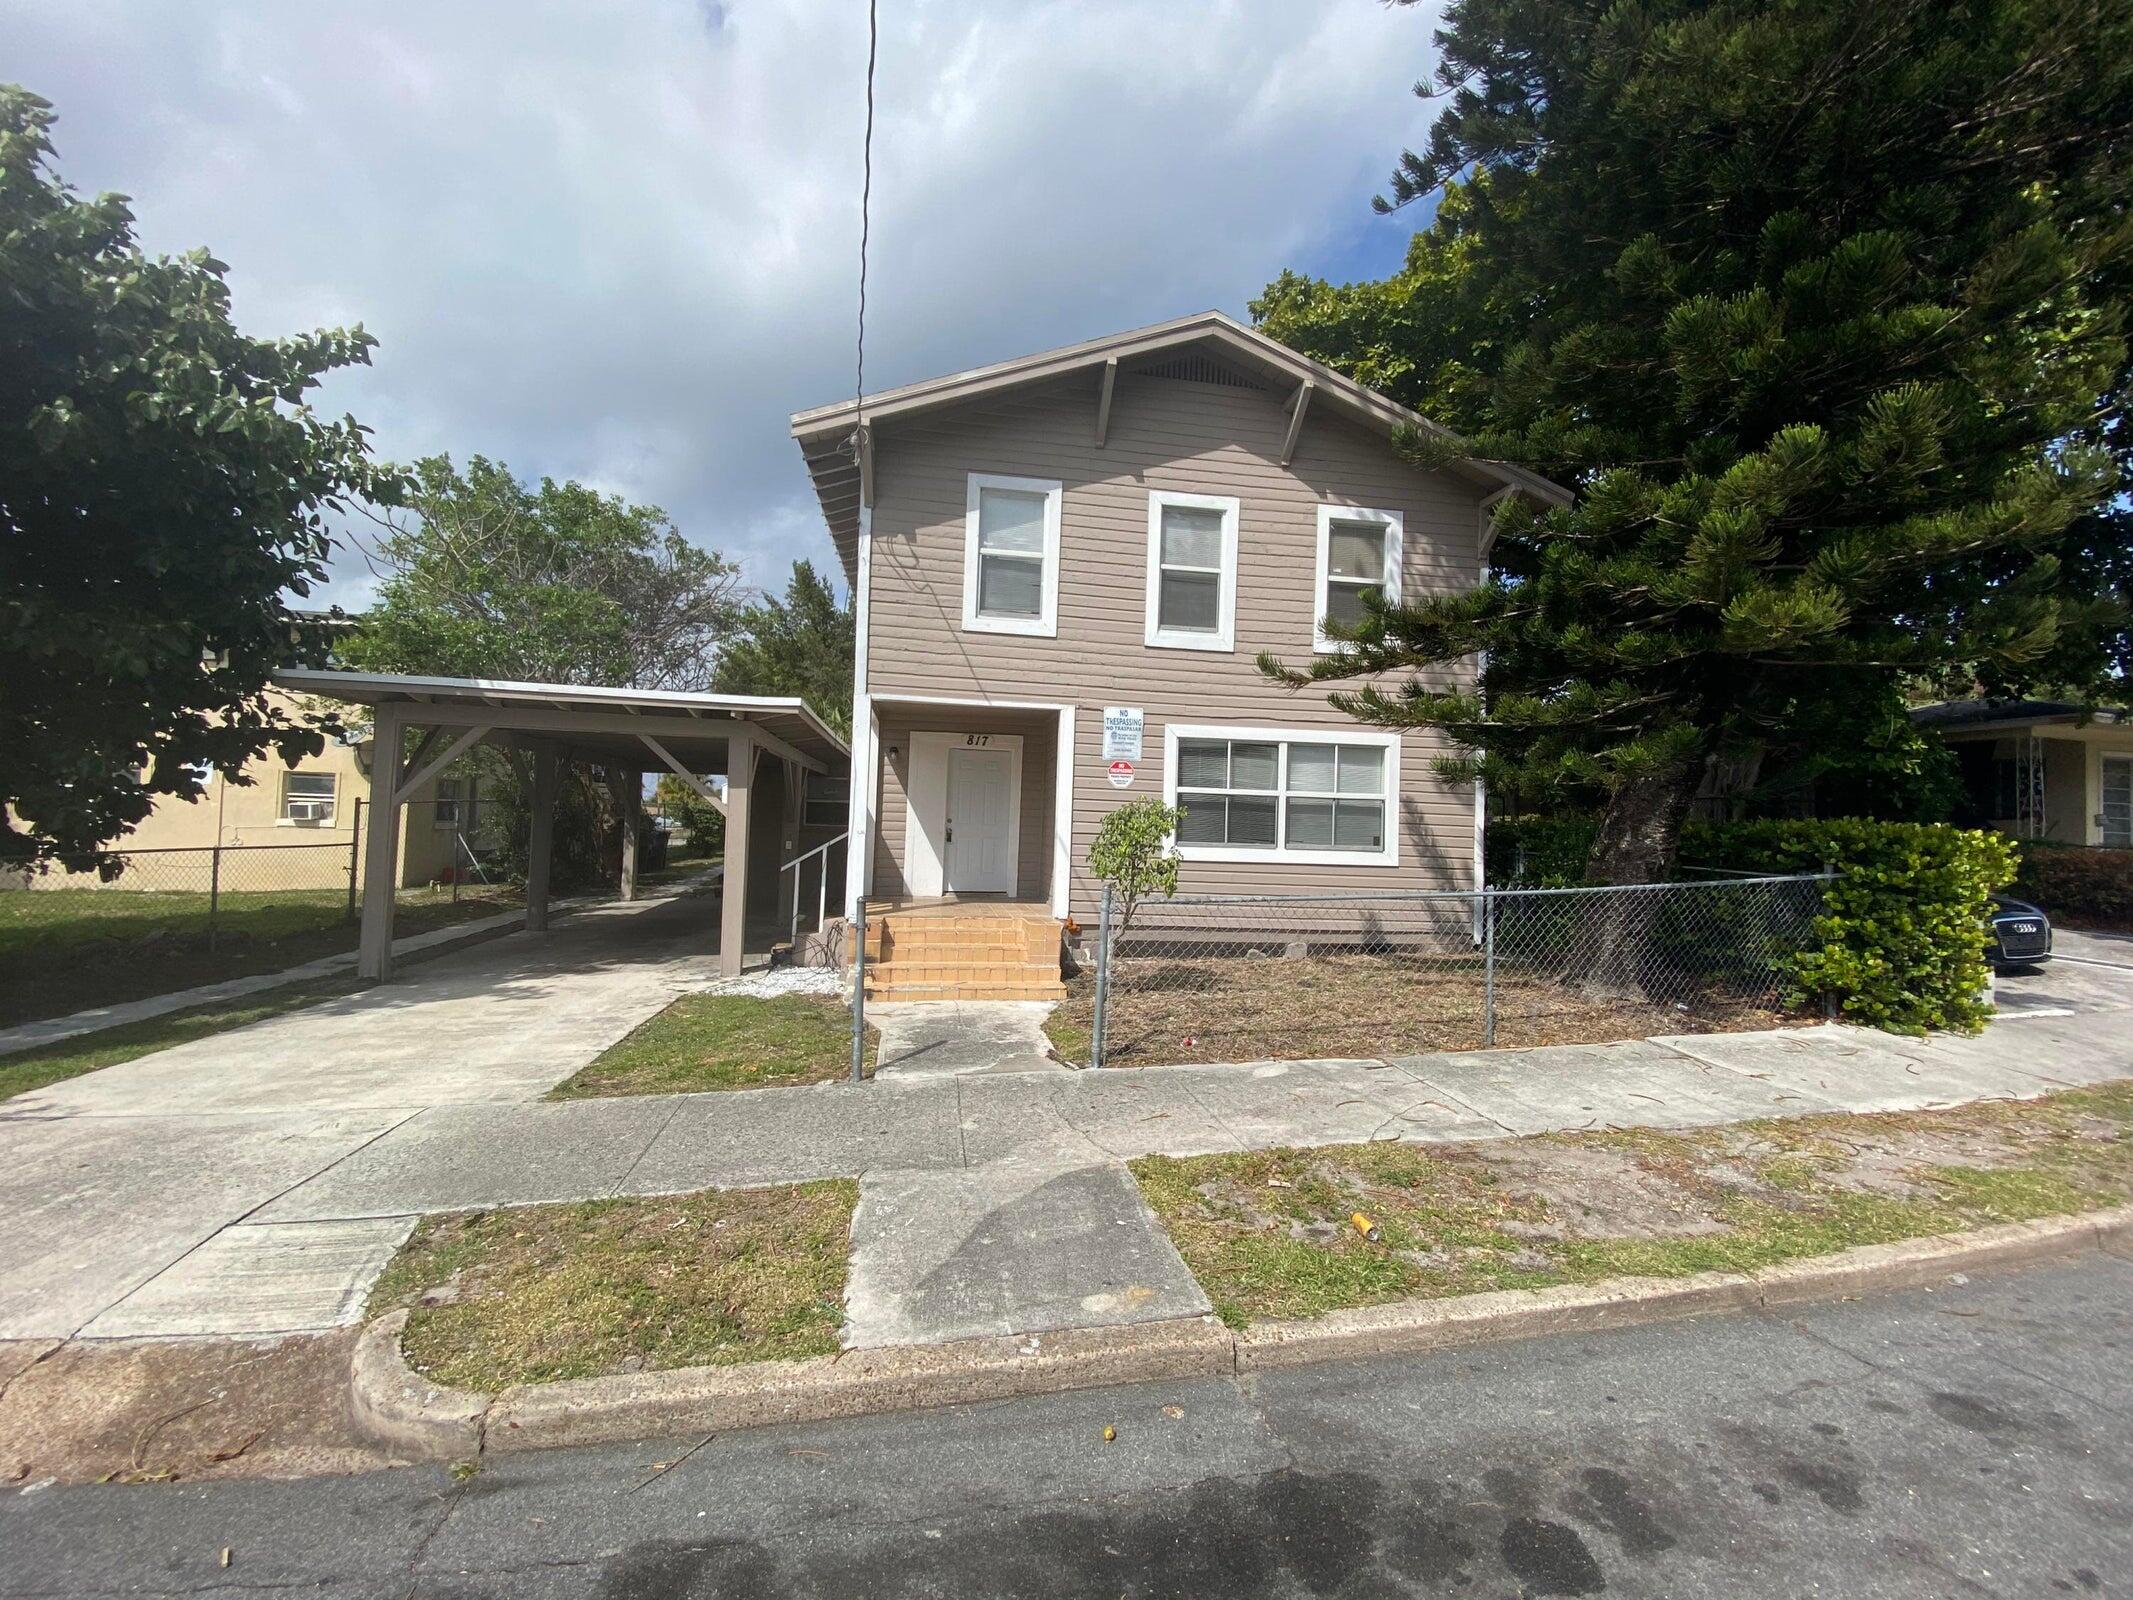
(711,1041)
(542,1293)
(1268,1233)
(33,1069)
(65,950)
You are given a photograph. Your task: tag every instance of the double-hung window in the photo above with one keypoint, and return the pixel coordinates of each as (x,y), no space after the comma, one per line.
(1011,555)
(455,805)
(1192,571)
(828,802)
(1253,794)
(1358,551)
(307,798)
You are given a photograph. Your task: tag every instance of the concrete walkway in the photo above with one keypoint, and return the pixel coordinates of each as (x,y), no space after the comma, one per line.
(254,1182)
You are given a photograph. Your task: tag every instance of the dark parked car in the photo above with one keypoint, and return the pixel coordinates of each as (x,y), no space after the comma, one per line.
(2020,934)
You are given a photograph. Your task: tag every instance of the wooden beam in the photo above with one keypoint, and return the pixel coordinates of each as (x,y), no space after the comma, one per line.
(771,742)
(423,746)
(540,839)
(733,909)
(702,788)
(417,778)
(1304,391)
(1103,401)
(381,850)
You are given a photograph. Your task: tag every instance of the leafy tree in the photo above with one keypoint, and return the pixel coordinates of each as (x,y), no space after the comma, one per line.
(1131,852)
(162,486)
(489,577)
(800,645)
(707,829)
(1819,307)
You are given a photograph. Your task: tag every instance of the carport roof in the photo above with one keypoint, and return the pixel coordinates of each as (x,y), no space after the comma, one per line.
(666,713)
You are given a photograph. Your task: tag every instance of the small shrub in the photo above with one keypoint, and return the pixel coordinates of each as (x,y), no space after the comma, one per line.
(1131,852)
(2076,886)
(1901,939)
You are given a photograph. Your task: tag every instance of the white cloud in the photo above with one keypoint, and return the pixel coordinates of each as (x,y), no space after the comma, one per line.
(618,242)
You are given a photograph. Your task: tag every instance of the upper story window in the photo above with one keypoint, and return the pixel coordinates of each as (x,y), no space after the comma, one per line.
(1011,555)
(1192,571)
(307,797)
(1358,550)
(1265,794)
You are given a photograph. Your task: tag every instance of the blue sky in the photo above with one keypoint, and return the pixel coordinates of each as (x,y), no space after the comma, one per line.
(618,242)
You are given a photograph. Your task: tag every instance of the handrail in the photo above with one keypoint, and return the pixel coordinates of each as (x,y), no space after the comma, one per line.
(822,897)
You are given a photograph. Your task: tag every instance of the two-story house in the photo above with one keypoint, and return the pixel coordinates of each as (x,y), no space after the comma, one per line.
(1064,568)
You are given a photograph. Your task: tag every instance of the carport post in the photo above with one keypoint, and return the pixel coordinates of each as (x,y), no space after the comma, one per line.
(733,912)
(540,838)
(632,820)
(374,945)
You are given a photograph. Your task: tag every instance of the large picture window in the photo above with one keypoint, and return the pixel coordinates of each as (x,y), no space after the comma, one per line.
(1011,555)
(1358,551)
(1192,571)
(1264,794)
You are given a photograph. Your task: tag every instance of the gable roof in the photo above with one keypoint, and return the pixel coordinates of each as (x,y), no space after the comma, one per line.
(825,431)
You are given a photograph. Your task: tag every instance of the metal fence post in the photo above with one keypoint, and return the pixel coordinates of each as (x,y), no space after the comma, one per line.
(355,857)
(1103,980)
(859,992)
(1488,969)
(214,893)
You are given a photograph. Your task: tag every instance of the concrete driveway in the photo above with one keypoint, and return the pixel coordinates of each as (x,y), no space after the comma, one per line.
(111,1183)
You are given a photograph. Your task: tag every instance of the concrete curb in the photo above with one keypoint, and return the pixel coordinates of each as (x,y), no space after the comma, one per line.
(395,1406)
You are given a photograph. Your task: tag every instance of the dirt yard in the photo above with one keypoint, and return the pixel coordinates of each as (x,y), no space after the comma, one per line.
(1247,1008)
(1273,1233)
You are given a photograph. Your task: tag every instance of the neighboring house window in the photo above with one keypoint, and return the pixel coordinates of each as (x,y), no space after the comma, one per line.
(828,803)
(1011,555)
(307,797)
(456,802)
(1358,550)
(1192,571)
(1253,794)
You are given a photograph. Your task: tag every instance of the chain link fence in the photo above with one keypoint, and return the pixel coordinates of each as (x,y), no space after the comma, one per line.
(131,923)
(1237,977)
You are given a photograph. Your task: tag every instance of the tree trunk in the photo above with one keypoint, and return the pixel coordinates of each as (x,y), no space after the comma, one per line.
(1638,840)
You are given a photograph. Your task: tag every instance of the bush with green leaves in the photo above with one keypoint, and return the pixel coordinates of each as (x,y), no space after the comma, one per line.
(2078,886)
(1900,944)
(1131,852)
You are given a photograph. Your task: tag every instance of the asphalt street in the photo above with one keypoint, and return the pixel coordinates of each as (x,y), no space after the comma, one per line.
(1970,1440)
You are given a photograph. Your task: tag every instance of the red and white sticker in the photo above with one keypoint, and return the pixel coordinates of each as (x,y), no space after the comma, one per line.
(1121,774)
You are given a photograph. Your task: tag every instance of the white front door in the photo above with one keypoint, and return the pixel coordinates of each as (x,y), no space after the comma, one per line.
(2118,802)
(980,854)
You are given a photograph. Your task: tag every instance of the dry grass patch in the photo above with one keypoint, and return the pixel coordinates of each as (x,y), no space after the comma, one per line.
(1268,1233)
(540,1293)
(707,1042)
(1243,1008)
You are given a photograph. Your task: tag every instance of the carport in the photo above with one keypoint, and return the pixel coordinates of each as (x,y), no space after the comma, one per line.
(768,750)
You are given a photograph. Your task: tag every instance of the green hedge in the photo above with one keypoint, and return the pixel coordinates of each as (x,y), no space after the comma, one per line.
(1902,929)
(2077,886)
(1902,934)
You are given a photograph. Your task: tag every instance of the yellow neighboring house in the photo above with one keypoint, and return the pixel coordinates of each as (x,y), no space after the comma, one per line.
(297,826)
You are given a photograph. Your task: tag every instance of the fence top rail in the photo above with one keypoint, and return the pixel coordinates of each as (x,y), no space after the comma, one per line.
(1468,896)
(203,849)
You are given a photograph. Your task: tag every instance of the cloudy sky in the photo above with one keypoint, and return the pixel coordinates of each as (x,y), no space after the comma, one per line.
(618,241)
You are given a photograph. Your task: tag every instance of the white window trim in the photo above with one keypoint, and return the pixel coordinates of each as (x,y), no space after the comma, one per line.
(1224,638)
(1046,623)
(1389,856)
(437,819)
(1395,545)
(282,819)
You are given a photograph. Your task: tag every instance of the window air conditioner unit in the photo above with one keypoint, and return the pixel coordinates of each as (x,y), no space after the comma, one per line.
(310,810)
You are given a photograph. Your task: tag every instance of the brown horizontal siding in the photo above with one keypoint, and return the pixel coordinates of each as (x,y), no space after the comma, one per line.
(1164,434)
(1039,731)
